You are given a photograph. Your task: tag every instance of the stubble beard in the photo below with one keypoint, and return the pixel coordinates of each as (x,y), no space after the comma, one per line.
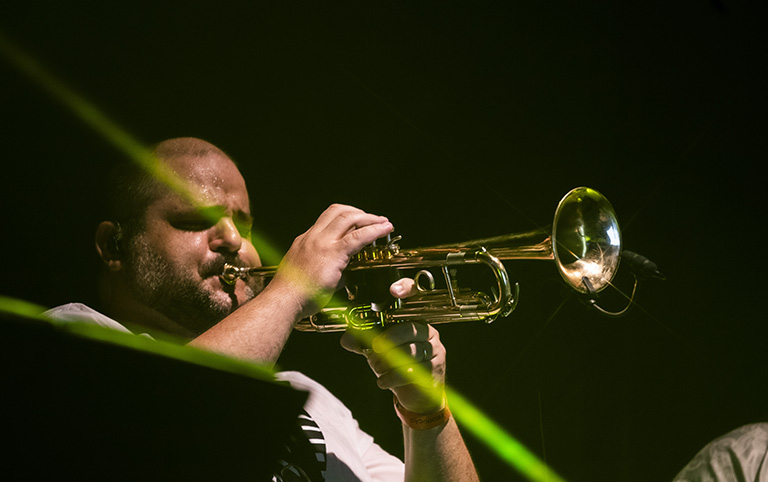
(178,294)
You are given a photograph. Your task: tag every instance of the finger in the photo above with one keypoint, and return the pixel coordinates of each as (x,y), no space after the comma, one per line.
(332,212)
(425,374)
(341,220)
(403,288)
(402,356)
(350,343)
(401,334)
(360,236)
(357,341)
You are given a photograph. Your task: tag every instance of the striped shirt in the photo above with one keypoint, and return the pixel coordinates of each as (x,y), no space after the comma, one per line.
(305,454)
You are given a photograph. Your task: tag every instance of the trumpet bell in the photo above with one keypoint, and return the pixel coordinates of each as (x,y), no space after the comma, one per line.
(586,240)
(583,240)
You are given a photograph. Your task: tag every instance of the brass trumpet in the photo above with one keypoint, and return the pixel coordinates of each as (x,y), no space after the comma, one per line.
(584,241)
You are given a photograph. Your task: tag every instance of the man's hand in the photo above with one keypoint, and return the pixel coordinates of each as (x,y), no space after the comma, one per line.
(312,268)
(407,358)
(305,280)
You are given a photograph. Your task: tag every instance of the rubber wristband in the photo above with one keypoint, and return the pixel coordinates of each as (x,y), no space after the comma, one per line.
(422,421)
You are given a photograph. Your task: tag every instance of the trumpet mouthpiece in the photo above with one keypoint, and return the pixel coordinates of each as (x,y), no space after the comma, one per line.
(230,274)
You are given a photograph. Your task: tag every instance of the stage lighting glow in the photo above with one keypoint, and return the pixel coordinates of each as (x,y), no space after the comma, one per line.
(482,427)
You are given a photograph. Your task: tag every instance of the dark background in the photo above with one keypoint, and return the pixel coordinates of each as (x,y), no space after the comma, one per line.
(457,120)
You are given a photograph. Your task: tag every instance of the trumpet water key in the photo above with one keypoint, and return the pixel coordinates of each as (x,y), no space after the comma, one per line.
(584,241)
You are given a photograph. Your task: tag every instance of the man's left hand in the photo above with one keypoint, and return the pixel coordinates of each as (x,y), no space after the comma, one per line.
(407,358)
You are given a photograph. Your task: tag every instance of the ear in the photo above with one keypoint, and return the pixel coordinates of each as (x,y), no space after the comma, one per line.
(108,243)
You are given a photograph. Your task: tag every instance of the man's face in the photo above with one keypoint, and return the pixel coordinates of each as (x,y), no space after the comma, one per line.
(173,265)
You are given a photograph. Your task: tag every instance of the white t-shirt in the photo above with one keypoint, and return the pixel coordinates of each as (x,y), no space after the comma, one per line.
(352,454)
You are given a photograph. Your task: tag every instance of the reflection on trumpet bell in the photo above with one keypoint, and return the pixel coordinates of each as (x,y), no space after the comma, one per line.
(584,242)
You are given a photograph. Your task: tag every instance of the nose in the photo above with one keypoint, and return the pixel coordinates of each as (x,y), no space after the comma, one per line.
(225,236)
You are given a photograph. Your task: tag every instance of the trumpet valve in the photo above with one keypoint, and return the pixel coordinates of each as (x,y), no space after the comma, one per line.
(380,250)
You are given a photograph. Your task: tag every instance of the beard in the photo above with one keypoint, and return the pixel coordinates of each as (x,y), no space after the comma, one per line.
(181,294)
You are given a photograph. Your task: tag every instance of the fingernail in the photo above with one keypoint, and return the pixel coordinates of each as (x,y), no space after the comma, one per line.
(398,289)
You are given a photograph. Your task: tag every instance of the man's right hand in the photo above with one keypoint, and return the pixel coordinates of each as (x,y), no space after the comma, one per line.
(305,281)
(312,268)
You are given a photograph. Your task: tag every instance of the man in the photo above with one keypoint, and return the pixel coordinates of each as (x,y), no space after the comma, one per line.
(739,455)
(163,250)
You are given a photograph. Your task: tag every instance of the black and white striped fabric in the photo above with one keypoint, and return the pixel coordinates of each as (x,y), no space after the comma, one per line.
(305,457)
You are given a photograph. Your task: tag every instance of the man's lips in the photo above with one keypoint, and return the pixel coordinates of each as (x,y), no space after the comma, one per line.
(215,269)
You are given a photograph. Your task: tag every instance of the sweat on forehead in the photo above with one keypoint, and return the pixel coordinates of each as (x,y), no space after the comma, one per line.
(186,146)
(197,162)
(130,189)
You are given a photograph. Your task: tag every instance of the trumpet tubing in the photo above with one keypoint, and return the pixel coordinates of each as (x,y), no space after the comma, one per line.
(584,241)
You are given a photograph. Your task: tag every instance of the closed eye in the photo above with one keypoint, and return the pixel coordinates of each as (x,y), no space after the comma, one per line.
(192,224)
(197,220)
(205,218)
(244,224)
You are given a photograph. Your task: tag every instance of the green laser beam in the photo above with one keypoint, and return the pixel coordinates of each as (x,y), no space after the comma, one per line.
(506,447)
(93,117)
(481,426)
(467,415)
(31,311)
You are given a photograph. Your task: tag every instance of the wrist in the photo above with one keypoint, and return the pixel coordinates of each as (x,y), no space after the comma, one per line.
(422,421)
(292,298)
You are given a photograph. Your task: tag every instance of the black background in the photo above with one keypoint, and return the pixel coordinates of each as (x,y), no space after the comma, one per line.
(457,120)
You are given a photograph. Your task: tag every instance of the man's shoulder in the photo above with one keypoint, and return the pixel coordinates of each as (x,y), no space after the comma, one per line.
(755,432)
(68,310)
(321,401)
(79,312)
(742,452)
(300,381)
(745,439)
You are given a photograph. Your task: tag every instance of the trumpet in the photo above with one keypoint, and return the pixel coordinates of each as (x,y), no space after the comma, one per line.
(583,240)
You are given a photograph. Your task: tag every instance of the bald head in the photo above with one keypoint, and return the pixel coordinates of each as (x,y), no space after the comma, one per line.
(131,188)
(185,147)
(174,223)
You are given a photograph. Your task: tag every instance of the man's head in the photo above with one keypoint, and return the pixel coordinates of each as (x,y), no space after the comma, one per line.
(164,250)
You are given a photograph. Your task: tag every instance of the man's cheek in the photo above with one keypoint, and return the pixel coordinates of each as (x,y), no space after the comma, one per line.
(249,254)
